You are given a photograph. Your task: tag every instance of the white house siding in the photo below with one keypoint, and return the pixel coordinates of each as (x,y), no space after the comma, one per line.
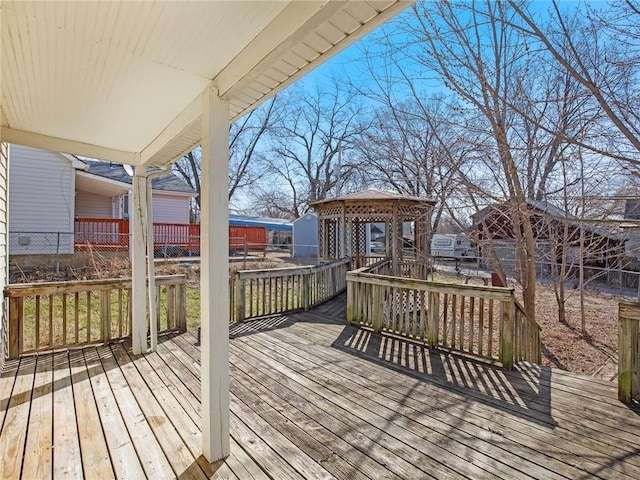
(42,202)
(4,251)
(170,208)
(90,205)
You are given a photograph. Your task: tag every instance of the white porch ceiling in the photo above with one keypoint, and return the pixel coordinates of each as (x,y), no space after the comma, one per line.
(122,81)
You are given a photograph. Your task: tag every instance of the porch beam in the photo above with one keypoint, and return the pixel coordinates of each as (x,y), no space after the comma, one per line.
(214,276)
(55,144)
(177,128)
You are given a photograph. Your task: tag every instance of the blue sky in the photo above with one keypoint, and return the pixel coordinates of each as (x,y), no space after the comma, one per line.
(349,64)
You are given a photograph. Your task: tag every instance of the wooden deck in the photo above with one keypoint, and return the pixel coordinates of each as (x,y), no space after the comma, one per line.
(310,398)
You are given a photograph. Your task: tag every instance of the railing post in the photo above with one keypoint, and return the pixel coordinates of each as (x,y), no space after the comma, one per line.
(181,307)
(306,290)
(240,298)
(433,316)
(58,252)
(16,320)
(506,334)
(350,300)
(377,308)
(172,316)
(105,315)
(628,321)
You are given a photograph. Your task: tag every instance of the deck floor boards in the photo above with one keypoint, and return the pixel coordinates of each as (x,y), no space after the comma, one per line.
(311,398)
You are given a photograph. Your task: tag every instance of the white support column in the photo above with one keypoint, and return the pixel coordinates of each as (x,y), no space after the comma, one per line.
(139,261)
(214,276)
(151,271)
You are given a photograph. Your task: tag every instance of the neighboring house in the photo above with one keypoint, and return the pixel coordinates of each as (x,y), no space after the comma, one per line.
(631,227)
(554,231)
(53,195)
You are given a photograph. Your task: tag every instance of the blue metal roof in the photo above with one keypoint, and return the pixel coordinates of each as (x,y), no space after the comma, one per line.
(277,224)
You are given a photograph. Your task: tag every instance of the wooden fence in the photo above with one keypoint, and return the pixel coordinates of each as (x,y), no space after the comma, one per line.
(112,235)
(628,352)
(255,293)
(477,321)
(49,316)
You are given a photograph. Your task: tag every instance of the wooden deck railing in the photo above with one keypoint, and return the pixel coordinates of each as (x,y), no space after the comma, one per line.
(628,352)
(255,293)
(482,322)
(405,268)
(112,235)
(102,232)
(49,316)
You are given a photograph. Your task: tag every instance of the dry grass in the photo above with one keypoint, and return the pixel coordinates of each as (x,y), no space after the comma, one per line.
(563,344)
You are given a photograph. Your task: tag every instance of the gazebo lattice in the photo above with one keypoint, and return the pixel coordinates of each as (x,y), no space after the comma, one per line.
(343,225)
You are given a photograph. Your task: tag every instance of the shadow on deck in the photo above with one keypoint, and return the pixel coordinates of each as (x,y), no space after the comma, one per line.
(310,398)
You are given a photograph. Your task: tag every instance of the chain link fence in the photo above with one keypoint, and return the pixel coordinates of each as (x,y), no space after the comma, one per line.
(39,249)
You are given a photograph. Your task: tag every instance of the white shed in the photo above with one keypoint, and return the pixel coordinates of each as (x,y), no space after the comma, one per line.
(305,236)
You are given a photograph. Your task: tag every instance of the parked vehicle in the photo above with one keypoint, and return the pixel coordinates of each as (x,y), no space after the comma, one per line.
(453,246)
(377,247)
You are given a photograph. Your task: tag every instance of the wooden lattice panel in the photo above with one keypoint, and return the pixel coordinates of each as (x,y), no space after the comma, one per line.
(359,238)
(344,222)
(368,210)
(412,211)
(332,235)
(369,218)
(330,211)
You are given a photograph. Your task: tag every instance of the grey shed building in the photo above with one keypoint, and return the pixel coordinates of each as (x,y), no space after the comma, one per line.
(305,236)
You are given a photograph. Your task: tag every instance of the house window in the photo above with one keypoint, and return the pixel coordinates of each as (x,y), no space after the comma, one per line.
(124,206)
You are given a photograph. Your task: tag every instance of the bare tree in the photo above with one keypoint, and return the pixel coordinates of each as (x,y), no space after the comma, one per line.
(513,113)
(473,51)
(600,50)
(246,137)
(308,142)
(246,145)
(411,148)
(189,169)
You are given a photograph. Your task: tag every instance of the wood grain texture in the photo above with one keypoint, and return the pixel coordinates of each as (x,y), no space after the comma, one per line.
(314,398)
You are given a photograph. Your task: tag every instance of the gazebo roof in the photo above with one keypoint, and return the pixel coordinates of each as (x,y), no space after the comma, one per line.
(373,195)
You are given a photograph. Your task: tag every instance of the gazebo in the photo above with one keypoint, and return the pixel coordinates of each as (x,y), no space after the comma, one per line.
(343,223)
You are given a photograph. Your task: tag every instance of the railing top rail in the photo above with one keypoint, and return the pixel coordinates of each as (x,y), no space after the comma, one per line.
(100,220)
(276,272)
(48,288)
(629,310)
(378,264)
(502,293)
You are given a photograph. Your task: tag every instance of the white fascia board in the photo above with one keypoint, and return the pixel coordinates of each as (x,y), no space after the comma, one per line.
(346,42)
(36,140)
(128,186)
(174,193)
(271,44)
(75,162)
(287,29)
(108,181)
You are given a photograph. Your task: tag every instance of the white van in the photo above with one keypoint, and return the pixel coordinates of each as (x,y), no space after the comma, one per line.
(452,245)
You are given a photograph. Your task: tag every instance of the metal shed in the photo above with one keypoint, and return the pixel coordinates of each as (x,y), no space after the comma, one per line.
(305,235)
